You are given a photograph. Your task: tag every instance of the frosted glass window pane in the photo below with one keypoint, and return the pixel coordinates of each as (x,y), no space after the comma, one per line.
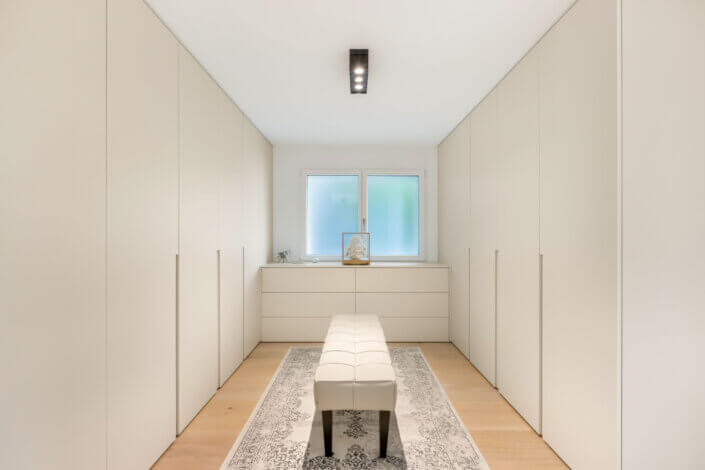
(393,214)
(332,205)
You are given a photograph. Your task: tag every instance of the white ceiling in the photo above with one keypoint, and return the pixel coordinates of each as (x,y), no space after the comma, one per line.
(285,62)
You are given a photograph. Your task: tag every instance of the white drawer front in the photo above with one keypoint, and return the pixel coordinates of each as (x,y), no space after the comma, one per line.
(308,280)
(405,304)
(402,279)
(294,329)
(415,329)
(299,304)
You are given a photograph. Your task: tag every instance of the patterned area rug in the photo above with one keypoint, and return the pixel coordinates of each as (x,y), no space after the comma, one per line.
(285,432)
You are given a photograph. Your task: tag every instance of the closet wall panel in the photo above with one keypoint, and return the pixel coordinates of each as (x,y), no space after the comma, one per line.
(200,165)
(252,277)
(231,226)
(93,103)
(142,192)
(578,120)
(453,219)
(459,281)
(664,229)
(483,235)
(52,236)
(518,322)
(257,211)
(444,200)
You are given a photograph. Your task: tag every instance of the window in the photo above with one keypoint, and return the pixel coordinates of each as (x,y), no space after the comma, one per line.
(332,207)
(393,214)
(388,204)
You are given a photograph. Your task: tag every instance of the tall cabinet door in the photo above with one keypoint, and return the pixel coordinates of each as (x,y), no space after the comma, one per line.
(663,353)
(197,324)
(257,211)
(231,240)
(460,196)
(483,235)
(142,234)
(445,201)
(52,235)
(579,235)
(518,322)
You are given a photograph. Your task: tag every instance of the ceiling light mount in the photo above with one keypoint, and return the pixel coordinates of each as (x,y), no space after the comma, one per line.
(359,69)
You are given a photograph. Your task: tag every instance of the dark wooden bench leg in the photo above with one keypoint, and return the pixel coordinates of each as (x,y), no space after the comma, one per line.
(328,431)
(383,433)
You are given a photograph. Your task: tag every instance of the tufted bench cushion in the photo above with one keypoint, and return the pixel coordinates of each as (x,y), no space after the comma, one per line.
(355,371)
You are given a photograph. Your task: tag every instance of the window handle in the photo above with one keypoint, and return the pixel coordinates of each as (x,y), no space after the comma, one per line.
(364,224)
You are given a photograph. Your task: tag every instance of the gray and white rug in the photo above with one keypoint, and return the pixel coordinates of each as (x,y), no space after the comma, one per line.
(285,432)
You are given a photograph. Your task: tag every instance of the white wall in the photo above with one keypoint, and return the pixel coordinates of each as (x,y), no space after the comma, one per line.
(291,160)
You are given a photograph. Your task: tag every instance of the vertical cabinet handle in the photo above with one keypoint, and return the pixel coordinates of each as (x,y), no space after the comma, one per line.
(540,342)
(220,306)
(496,310)
(244,293)
(176,341)
(468,299)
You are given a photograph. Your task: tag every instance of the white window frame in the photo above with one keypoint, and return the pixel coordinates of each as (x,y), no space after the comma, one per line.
(362,209)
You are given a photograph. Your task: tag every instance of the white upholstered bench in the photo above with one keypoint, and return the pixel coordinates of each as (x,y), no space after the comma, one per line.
(355,373)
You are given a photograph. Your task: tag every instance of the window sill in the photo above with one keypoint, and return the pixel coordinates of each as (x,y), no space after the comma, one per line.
(373,264)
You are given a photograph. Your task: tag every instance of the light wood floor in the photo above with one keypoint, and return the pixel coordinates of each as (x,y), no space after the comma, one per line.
(505,440)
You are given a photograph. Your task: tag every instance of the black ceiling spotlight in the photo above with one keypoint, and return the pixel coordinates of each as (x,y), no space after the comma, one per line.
(359,68)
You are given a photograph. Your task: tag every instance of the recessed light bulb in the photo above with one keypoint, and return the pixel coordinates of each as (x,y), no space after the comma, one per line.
(359,71)
(358,86)
(358,79)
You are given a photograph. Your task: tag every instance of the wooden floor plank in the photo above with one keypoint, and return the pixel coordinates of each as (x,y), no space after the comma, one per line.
(504,438)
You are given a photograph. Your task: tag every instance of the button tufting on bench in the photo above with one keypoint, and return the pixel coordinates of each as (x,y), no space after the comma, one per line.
(355,371)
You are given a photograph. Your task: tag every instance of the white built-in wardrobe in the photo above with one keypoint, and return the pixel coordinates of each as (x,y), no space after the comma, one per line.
(553,253)
(136,207)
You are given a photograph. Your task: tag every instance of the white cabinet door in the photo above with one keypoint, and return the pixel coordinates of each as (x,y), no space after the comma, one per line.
(444,200)
(198,259)
(398,329)
(310,279)
(403,304)
(459,276)
(401,279)
(52,235)
(252,277)
(663,232)
(231,226)
(142,234)
(295,329)
(579,235)
(453,184)
(306,304)
(518,322)
(257,212)
(483,235)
